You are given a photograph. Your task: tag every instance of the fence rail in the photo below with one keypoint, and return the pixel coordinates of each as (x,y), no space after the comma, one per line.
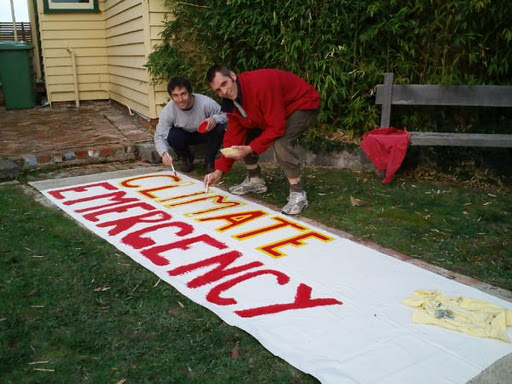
(22,30)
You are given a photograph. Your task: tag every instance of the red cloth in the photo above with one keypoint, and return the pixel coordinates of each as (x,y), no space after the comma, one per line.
(269,97)
(386,148)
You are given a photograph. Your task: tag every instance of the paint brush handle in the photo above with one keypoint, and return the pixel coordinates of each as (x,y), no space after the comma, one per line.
(207,184)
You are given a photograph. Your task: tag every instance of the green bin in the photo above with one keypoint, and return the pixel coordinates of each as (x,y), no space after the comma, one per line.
(17,74)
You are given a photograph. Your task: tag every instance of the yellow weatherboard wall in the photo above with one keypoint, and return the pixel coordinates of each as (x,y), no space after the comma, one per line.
(110,49)
(157,16)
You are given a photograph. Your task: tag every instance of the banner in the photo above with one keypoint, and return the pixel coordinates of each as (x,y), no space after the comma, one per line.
(326,304)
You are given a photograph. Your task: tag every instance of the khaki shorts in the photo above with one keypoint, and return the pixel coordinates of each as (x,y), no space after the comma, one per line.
(288,154)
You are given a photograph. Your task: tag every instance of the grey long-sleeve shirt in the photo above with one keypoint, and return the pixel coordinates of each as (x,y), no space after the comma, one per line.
(172,116)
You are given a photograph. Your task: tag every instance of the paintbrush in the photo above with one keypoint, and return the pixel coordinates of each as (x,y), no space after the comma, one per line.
(207,184)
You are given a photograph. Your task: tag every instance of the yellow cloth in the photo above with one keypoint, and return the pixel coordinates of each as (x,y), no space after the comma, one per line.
(474,317)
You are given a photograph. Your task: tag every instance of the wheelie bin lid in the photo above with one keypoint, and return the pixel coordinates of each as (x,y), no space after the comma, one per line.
(14,45)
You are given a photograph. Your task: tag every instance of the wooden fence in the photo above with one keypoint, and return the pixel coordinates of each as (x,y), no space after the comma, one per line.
(22,29)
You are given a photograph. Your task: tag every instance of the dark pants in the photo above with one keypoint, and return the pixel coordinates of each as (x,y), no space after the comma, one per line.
(180,141)
(288,154)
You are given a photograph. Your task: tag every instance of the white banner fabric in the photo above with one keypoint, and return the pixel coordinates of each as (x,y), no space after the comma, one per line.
(326,304)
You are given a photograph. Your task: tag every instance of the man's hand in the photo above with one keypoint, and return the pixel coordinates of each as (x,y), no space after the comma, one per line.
(212,178)
(167,159)
(211,124)
(207,125)
(242,151)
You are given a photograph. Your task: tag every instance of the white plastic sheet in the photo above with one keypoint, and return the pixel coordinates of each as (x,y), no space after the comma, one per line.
(327,305)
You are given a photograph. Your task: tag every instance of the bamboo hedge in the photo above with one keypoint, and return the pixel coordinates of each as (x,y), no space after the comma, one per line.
(342,47)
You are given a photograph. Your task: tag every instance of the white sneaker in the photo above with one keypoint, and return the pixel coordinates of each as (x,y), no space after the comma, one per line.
(247,186)
(297,201)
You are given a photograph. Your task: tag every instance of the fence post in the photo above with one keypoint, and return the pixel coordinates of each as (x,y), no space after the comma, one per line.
(14,21)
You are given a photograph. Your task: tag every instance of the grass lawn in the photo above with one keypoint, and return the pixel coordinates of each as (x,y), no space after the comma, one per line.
(74,309)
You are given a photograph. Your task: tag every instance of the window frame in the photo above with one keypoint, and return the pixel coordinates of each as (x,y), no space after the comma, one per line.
(51,6)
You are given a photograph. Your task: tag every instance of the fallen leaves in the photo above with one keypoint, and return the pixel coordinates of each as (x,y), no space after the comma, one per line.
(235,352)
(41,369)
(101,289)
(356,202)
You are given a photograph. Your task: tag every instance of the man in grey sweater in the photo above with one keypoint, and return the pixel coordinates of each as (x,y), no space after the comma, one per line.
(179,121)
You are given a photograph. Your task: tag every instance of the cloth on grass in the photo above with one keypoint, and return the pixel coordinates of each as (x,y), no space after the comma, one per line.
(386,148)
(474,317)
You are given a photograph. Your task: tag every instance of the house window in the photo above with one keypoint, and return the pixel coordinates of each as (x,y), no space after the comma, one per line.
(55,6)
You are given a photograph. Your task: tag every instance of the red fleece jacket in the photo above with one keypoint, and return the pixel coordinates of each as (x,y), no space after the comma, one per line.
(269,97)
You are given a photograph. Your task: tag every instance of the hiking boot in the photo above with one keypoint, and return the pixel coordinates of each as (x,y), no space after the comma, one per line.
(297,201)
(247,186)
(187,164)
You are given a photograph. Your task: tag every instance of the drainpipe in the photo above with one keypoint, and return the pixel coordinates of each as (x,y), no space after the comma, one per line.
(126,105)
(130,111)
(75,77)
(14,21)
(34,23)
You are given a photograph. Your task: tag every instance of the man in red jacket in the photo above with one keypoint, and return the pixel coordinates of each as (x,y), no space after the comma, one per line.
(265,107)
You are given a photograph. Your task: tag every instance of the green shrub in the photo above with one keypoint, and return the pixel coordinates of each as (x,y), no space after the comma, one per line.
(342,47)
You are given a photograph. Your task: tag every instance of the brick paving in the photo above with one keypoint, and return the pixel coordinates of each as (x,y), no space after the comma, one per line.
(97,131)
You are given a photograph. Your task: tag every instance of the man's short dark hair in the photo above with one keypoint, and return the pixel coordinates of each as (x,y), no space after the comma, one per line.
(217,68)
(178,82)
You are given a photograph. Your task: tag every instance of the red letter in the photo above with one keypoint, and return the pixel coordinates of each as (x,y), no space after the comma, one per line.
(272,249)
(235,219)
(216,199)
(154,254)
(116,197)
(214,294)
(135,239)
(217,273)
(94,215)
(149,191)
(122,225)
(128,182)
(58,193)
(302,300)
(283,223)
